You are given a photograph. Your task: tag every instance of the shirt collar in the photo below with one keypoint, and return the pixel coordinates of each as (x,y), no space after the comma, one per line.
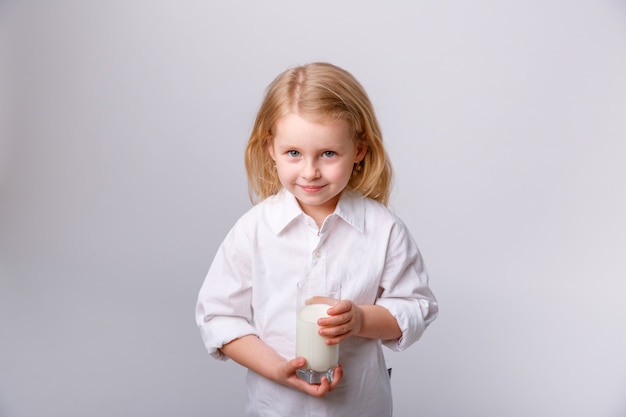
(351,208)
(284,209)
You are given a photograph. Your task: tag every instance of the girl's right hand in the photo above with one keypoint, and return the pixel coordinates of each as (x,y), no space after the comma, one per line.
(254,354)
(287,376)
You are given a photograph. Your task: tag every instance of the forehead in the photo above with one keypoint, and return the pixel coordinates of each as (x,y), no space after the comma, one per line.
(293,127)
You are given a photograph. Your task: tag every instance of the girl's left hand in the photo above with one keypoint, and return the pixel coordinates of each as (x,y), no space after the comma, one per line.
(345,320)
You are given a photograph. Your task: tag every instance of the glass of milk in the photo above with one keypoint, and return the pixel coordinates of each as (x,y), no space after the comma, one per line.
(315,297)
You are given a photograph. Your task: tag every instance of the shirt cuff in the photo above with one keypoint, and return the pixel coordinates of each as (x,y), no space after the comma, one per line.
(408,315)
(220,331)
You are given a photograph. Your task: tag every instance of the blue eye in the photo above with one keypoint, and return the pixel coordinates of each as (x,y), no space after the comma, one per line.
(328,154)
(293,153)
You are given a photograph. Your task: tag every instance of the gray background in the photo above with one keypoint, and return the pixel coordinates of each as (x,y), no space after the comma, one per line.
(122,127)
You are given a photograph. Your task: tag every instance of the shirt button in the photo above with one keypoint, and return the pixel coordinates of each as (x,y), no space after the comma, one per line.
(318,254)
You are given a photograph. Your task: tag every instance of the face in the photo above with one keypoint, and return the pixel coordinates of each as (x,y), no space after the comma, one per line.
(314,161)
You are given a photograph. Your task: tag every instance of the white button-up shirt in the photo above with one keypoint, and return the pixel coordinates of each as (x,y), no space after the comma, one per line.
(251,289)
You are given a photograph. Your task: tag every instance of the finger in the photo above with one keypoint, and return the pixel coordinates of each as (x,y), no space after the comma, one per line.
(304,386)
(337,375)
(337,340)
(290,367)
(316,390)
(337,320)
(296,364)
(324,386)
(344,329)
(341,307)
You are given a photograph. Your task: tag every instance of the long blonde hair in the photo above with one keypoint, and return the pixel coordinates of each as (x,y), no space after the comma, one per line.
(318,91)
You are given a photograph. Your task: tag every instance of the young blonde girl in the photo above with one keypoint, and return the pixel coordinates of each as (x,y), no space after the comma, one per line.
(319,91)
(318,169)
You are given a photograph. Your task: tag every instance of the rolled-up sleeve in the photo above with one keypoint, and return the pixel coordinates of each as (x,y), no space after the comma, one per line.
(405,291)
(223,309)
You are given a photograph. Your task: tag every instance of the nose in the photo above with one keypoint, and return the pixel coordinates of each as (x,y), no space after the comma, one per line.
(310,170)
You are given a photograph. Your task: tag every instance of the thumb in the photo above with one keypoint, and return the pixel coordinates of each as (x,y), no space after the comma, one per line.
(296,363)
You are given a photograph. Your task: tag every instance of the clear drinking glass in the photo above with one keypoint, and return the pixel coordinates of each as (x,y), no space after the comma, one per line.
(315,297)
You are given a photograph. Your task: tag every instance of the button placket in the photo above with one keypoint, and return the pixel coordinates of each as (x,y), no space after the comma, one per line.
(318,264)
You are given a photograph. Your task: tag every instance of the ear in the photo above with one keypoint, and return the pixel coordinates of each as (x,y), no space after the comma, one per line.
(270,147)
(361,150)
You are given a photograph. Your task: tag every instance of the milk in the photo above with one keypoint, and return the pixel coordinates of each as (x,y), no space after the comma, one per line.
(320,357)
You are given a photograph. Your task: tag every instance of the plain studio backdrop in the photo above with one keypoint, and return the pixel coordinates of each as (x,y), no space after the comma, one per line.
(122,130)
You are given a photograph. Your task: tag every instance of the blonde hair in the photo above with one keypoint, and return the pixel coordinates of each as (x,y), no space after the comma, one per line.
(318,91)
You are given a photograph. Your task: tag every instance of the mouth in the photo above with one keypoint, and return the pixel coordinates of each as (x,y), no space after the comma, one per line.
(311,188)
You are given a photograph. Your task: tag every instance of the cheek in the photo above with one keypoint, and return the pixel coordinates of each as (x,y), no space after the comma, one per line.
(285,170)
(342,172)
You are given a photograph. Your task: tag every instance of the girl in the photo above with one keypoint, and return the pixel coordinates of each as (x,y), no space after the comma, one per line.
(316,161)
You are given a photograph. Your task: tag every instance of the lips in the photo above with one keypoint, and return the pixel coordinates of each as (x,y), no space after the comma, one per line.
(311,188)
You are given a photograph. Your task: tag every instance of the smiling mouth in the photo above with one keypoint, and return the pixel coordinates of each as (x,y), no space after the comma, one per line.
(311,188)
